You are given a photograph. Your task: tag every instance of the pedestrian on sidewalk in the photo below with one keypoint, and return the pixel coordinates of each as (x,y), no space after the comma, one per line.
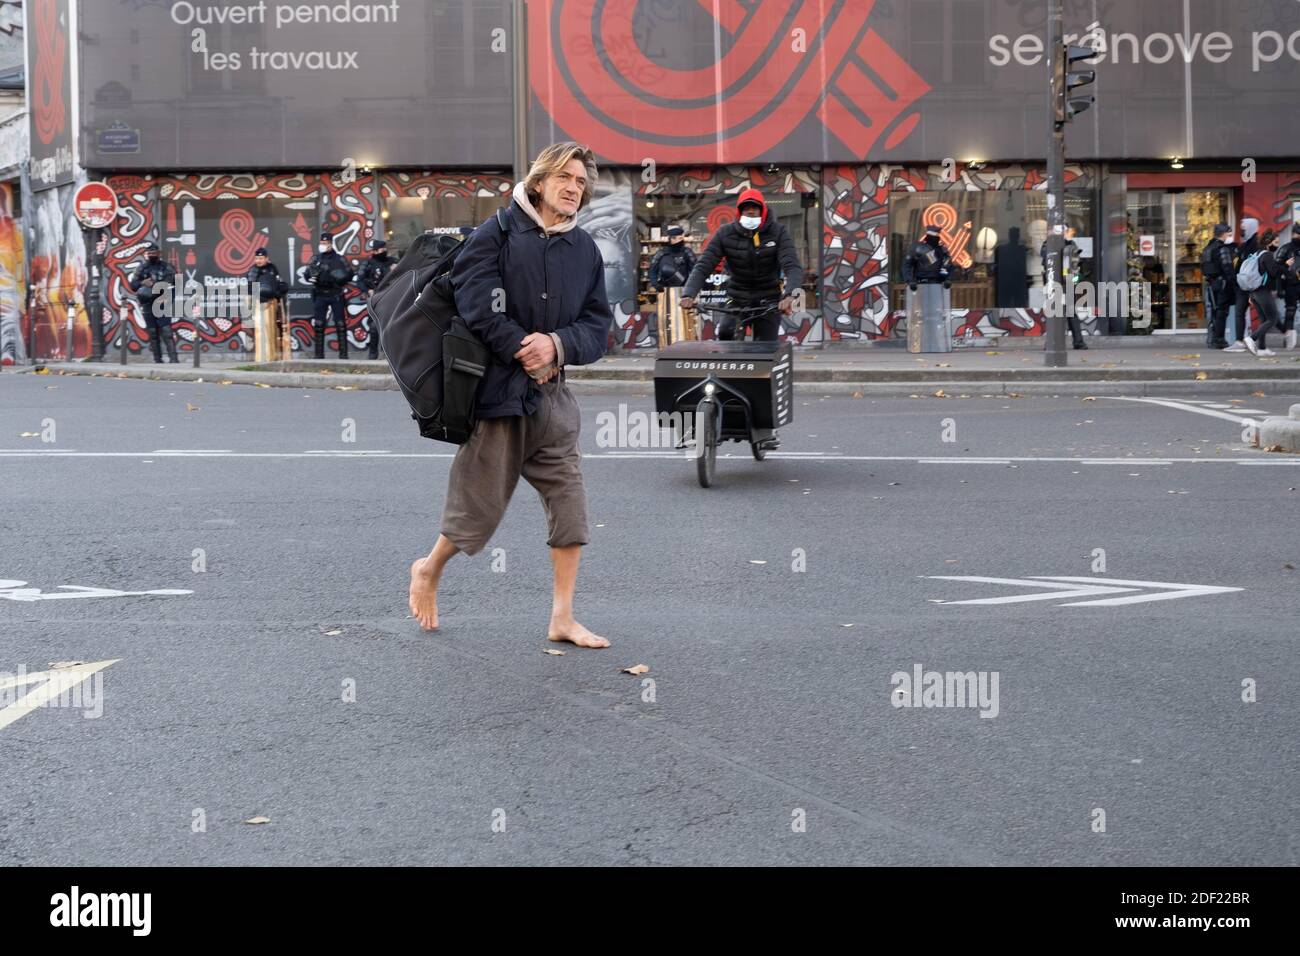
(1262,296)
(1288,256)
(555,313)
(1220,282)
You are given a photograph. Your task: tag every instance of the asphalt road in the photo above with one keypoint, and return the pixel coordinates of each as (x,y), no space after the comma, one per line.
(771,737)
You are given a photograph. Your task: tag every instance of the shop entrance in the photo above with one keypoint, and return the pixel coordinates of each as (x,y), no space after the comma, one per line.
(1167,229)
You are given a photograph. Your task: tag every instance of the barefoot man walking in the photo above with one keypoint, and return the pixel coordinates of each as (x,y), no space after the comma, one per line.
(535,295)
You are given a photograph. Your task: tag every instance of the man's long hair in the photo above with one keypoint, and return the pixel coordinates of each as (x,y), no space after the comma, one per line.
(554,158)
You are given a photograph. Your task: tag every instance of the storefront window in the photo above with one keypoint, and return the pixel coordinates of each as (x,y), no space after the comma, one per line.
(995,239)
(407,217)
(1166,233)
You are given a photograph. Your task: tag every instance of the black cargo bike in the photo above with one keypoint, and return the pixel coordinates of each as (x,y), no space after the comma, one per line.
(718,391)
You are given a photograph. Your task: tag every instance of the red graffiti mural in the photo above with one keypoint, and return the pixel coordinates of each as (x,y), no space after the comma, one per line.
(727,111)
(51,51)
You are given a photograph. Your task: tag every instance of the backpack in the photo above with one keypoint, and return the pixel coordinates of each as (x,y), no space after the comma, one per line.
(437,361)
(1249,275)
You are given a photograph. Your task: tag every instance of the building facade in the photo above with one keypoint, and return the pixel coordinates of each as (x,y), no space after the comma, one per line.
(225,126)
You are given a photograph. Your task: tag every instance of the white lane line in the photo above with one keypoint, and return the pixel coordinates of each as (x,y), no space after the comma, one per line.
(1184,407)
(1125,461)
(669,456)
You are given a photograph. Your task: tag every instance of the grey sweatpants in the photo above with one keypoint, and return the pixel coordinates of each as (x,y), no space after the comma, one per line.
(542,448)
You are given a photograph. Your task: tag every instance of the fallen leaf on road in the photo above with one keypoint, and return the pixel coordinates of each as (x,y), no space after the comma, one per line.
(1289,566)
(225,381)
(990,353)
(846,625)
(58,665)
(940,394)
(1193,355)
(553,652)
(1202,376)
(943,365)
(261,385)
(895,482)
(335,632)
(256,820)
(42,370)
(50,388)
(345,388)
(29,435)
(634,671)
(192,408)
(1256,395)
(857,394)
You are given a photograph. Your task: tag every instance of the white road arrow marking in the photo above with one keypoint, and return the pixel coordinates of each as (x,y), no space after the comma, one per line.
(56,683)
(1172,591)
(1086,587)
(1022,582)
(15,591)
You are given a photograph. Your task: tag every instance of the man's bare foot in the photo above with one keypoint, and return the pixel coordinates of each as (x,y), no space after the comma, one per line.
(424,595)
(567,629)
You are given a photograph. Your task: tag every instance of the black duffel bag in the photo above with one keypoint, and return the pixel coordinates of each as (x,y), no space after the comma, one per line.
(437,361)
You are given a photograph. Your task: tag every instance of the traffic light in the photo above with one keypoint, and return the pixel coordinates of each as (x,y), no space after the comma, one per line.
(1067,105)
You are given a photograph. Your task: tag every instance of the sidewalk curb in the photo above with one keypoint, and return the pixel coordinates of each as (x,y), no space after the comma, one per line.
(885,383)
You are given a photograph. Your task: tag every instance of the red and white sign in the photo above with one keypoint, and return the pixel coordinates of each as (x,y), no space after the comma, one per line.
(95,205)
(1146,245)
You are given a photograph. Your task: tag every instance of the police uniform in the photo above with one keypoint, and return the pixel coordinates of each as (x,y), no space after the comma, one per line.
(328,273)
(368,279)
(155,301)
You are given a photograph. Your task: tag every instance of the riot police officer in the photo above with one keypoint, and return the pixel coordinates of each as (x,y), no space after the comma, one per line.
(1220,282)
(153,284)
(674,262)
(368,279)
(927,261)
(328,273)
(264,282)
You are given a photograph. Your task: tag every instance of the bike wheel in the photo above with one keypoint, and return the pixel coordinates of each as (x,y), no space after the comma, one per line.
(706,443)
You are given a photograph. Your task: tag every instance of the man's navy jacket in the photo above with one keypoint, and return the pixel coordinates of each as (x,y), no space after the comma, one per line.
(508,285)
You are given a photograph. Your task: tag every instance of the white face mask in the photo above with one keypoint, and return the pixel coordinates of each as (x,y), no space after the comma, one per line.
(324,247)
(1227,238)
(751,222)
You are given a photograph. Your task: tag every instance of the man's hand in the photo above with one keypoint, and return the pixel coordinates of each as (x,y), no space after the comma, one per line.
(688,303)
(546,374)
(786,305)
(537,352)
